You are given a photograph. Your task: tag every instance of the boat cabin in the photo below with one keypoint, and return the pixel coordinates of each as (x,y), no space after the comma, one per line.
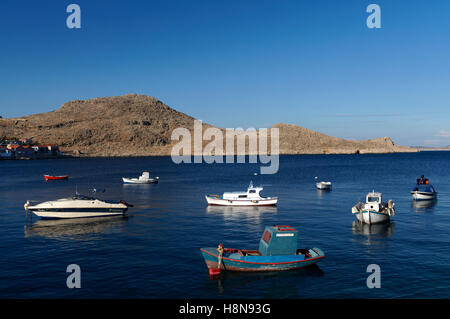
(251,193)
(374,198)
(373,201)
(145,176)
(278,240)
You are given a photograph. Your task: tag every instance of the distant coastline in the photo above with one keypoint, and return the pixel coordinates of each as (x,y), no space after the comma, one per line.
(431,149)
(87,156)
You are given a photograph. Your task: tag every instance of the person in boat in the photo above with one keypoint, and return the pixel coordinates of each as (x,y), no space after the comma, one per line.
(220,249)
(422,180)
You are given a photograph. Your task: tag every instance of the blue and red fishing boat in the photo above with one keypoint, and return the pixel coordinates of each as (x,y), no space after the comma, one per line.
(277,251)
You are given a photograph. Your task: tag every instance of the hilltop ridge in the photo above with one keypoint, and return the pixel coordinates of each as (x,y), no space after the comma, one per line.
(139,125)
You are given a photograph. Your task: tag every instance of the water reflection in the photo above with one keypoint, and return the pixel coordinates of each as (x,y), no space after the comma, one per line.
(373,230)
(137,186)
(275,282)
(322,192)
(424,206)
(238,212)
(66,228)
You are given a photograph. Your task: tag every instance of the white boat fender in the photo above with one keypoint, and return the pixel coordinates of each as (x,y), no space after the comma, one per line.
(391,210)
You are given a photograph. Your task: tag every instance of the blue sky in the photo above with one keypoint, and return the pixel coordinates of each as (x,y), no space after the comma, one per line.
(240,63)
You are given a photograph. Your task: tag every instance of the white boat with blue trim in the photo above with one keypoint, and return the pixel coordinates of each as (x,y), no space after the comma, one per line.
(251,197)
(374,211)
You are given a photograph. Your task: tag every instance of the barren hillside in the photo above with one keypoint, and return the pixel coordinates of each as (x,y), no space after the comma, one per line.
(137,125)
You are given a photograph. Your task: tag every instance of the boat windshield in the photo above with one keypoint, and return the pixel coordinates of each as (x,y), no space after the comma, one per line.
(82,197)
(372,199)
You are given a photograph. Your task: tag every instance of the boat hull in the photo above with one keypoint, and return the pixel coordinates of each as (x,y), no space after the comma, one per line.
(212,200)
(139,181)
(323,186)
(53,178)
(417,195)
(260,263)
(371,217)
(74,214)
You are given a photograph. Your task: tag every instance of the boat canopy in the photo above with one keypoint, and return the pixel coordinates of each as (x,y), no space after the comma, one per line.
(278,240)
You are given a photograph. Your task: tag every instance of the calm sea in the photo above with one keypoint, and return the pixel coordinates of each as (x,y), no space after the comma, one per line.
(154,252)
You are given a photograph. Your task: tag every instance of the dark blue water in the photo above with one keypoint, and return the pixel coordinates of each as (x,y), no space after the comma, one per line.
(154,253)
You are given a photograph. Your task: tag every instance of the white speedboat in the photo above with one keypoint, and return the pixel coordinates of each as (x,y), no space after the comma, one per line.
(423,190)
(249,198)
(143,179)
(374,211)
(323,185)
(76,207)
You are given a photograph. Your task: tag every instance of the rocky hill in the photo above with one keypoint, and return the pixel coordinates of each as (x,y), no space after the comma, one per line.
(299,140)
(138,125)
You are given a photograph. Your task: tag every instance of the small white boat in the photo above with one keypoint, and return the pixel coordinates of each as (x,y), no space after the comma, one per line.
(143,179)
(249,198)
(374,211)
(77,206)
(323,185)
(423,190)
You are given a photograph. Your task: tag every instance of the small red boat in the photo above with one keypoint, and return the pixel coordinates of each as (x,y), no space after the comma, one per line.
(50,177)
